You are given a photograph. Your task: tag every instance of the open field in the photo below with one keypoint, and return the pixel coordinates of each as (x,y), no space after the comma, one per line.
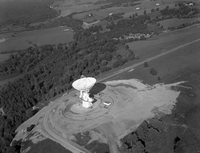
(148,5)
(167,66)
(22,12)
(4,57)
(176,22)
(100,14)
(22,40)
(165,41)
(101,9)
(70,6)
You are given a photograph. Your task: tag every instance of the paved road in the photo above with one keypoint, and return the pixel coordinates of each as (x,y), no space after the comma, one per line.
(68,145)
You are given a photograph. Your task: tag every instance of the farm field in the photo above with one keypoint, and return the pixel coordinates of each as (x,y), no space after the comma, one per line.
(22,40)
(100,14)
(168,66)
(164,41)
(176,22)
(70,6)
(100,9)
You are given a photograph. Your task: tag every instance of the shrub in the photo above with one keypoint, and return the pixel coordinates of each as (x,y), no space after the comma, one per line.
(153,71)
(30,127)
(103,69)
(117,63)
(146,64)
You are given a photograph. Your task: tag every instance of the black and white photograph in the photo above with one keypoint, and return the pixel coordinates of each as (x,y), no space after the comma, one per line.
(99,76)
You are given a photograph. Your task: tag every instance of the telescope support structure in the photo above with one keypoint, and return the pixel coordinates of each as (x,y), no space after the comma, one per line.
(85,98)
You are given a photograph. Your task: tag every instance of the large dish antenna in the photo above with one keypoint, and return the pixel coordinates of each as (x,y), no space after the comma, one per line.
(84,85)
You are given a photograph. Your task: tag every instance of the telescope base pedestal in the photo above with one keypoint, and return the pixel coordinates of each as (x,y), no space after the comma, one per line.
(86,104)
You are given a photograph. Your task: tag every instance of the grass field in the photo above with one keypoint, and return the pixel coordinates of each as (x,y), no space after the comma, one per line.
(176,22)
(4,57)
(20,12)
(69,6)
(102,13)
(101,8)
(167,66)
(22,40)
(165,41)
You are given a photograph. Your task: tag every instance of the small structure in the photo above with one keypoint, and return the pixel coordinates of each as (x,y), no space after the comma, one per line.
(191,4)
(2,111)
(87,25)
(2,40)
(90,15)
(84,85)
(110,14)
(157,4)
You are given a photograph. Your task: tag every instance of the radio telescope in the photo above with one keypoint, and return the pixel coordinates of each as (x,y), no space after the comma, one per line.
(84,85)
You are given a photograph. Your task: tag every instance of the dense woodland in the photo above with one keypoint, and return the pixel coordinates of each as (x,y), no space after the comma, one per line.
(47,71)
(25,60)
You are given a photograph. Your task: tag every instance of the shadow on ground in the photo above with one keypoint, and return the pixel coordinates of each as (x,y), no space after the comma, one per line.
(97,88)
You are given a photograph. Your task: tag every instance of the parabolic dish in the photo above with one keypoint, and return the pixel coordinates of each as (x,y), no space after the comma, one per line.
(84,83)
